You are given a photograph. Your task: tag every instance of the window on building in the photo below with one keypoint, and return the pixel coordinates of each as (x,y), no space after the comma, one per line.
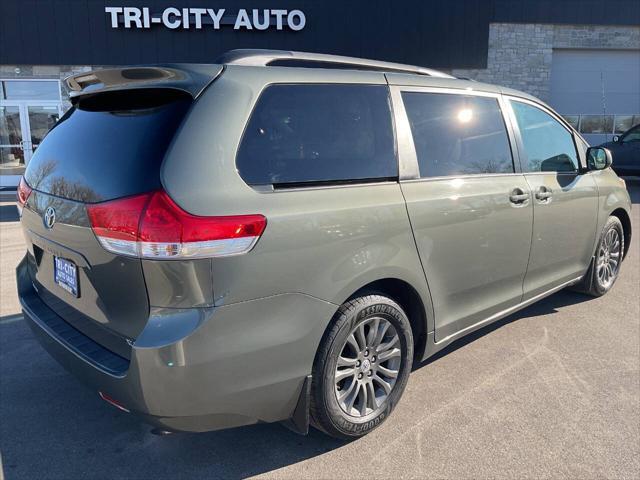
(602,124)
(318,133)
(31,90)
(547,143)
(596,124)
(573,120)
(458,134)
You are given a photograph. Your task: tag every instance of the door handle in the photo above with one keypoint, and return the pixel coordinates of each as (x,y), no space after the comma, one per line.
(518,196)
(543,194)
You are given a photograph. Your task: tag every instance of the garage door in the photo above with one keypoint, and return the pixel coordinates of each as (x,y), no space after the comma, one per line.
(597,90)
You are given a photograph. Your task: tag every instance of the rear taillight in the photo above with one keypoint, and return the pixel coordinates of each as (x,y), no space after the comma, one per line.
(153,226)
(24,190)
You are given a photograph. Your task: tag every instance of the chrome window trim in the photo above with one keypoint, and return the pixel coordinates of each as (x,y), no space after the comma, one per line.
(524,159)
(409,168)
(268,189)
(547,109)
(544,108)
(469,176)
(445,90)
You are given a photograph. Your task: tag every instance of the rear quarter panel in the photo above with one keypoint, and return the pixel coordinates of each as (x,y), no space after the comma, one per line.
(324,242)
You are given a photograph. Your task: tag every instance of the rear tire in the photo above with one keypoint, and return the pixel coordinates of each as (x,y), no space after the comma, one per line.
(605,267)
(361,367)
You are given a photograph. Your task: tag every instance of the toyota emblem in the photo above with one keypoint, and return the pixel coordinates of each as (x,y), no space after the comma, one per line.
(49,217)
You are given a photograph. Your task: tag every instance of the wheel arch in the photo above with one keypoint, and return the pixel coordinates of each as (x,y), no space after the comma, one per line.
(622,215)
(411,302)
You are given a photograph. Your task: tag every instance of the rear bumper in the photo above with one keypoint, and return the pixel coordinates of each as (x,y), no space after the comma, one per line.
(196,369)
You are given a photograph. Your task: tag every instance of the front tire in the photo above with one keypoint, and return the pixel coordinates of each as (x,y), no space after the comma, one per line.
(361,367)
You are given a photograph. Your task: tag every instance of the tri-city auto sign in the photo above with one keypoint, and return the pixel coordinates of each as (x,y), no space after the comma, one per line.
(198,18)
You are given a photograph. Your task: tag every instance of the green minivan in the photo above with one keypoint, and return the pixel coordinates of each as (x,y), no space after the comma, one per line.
(279,236)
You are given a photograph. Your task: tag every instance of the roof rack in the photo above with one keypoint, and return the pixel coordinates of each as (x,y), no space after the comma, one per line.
(263,58)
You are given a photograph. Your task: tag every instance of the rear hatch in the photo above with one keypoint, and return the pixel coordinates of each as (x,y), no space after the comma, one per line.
(109,145)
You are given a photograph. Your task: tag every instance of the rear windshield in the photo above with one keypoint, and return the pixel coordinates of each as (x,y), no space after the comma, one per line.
(109,145)
(304,134)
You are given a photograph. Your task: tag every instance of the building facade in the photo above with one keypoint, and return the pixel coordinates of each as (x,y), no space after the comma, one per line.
(581,56)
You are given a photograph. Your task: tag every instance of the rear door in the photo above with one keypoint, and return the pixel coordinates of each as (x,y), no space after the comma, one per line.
(565,201)
(470,207)
(107,146)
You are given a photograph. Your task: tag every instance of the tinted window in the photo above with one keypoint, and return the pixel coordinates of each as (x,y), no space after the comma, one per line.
(548,145)
(632,135)
(318,133)
(110,145)
(623,123)
(458,134)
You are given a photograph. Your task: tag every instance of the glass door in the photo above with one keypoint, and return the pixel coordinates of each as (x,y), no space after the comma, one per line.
(41,119)
(12,151)
(28,110)
(22,128)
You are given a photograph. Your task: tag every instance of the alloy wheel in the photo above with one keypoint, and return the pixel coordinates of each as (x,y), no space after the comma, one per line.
(368,367)
(608,260)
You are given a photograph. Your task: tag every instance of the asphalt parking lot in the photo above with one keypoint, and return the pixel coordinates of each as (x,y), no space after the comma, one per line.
(550,392)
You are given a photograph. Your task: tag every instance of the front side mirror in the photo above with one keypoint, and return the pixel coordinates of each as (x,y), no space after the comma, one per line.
(616,138)
(598,158)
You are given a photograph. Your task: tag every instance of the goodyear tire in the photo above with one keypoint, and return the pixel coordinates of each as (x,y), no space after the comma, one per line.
(361,367)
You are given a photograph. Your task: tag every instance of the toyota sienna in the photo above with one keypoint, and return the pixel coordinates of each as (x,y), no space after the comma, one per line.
(279,236)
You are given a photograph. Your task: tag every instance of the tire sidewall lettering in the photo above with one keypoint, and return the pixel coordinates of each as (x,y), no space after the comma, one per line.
(355,425)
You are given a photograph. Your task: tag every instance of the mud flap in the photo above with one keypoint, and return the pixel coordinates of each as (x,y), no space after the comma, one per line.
(299,421)
(584,284)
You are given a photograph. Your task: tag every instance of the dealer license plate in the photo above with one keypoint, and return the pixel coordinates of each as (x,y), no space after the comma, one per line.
(65,274)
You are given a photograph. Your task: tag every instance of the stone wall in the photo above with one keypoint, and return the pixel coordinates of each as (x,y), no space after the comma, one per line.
(520,55)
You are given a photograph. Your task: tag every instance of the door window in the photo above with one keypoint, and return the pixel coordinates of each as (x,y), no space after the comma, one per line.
(458,134)
(632,135)
(547,143)
(318,133)
(625,122)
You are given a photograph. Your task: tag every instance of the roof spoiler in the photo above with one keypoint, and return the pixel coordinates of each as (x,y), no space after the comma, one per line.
(263,58)
(189,78)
